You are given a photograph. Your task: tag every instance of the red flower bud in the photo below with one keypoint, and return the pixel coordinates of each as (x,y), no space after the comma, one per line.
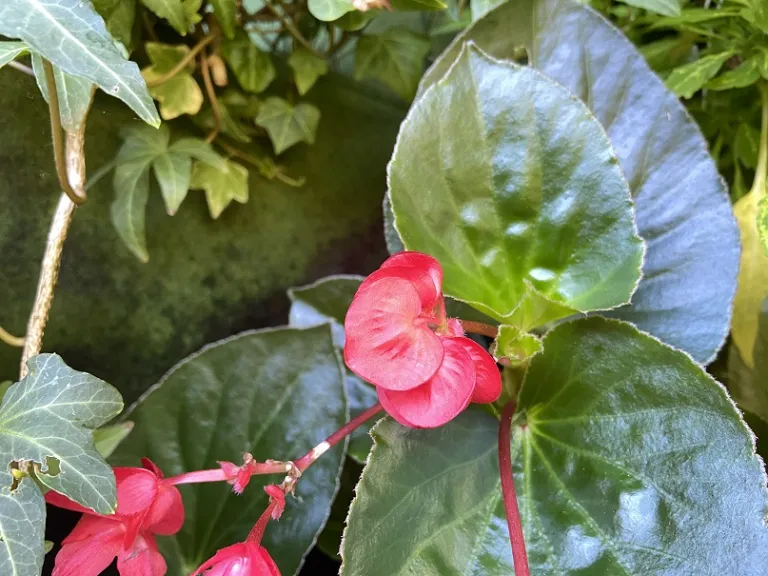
(242,559)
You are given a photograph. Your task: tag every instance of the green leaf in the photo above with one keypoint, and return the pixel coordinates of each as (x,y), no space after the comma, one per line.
(515,345)
(686,80)
(749,385)
(22,525)
(394,243)
(491,217)
(663,7)
(171,10)
(49,415)
(628,459)
(179,95)
(108,438)
(226,14)
(307,68)
(75,94)
(417,5)
(329,541)
(689,275)
(745,75)
(4,388)
(252,67)
(246,394)
(480,8)
(747,144)
(131,183)
(221,185)
(757,14)
(10,51)
(118,16)
(762,223)
(287,124)
(394,57)
(73,36)
(329,10)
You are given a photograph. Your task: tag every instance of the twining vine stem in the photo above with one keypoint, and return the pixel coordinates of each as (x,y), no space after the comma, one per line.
(519,555)
(10,339)
(211,92)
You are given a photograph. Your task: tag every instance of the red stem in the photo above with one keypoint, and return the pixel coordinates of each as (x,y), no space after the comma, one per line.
(519,555)
(479,328)
(218,475)
(257,532)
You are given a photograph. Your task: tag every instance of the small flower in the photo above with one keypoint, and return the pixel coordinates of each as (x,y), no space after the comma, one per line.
(398,338)
(240,476)
(242,559)
(277,496)
(145,507)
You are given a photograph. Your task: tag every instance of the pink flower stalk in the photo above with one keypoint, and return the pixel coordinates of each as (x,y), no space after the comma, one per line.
(146,506)
(398,338)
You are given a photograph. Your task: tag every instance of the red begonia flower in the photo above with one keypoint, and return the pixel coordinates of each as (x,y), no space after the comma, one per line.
(241,559)
(399,338)
(145,507)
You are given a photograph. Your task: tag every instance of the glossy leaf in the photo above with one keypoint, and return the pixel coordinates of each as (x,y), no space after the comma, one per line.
(49,415)
(252,67)
(226,15)
(491,217)
(242,394)
(395,57)
(10,51)
(307,68)
(108,438)
(172,11)
(72,35)
(22,525)
(287,124)
(119,16)
(516,345)
(329,10)
(749,385)
(688,79)
(680,488)
(480,8)
(683,211)
(664,7)
(221,185)
(75,94)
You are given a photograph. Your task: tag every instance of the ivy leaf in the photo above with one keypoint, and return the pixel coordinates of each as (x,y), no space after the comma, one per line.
(75,94)
(10,51)
(686,80)
(491,218)
(73,36)
(226,14)
(246,394)
(172,11)
(49,415)
(680,488)
(329,10)
(745,75)
(252,67)
(515,345)
(692,256)
(221,185)
(108,438)
(307,68)
(22,525)
(663,7)
(287,124)
(118,16)
(394,57)
(179,95)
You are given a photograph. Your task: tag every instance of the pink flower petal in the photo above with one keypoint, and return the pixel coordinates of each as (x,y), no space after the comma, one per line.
(166,515)
(241,559)
(152,467)
(487,375)
(90,548)
(136,490)
(439,400)
(420,280)
(61,501)
(419,261)
(142,559)
(268,566)
(386,341)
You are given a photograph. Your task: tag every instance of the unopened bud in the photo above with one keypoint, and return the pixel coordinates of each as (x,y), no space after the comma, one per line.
(218,70)
(365,5)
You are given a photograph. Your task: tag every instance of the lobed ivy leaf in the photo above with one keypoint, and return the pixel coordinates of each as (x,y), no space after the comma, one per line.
(252,67)
(329,10)
(245,394)
(119,16)
(108,438)
(394,57)
(10,51)
(222,184)
(48,417)
(179,95)
(75,94)
(22,526)
(680,488)
(287,124)
(307,68)
(541,172)
(226,15)
(682,208)
(688,79)
(72,35)
(173,11)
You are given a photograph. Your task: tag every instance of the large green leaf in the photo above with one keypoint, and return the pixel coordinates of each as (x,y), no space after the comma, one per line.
(49,415)
(75,94)
(394,57)
(682,208)
(628,459)
(72,35)
(541,174)
(246,394)
(10,51)
(22,525)
(287,124)
(252,67)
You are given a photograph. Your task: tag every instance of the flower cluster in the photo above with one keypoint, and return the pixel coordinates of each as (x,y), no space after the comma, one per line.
(399,338)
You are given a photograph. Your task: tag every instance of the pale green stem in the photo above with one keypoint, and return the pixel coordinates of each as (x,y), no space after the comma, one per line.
(761,172)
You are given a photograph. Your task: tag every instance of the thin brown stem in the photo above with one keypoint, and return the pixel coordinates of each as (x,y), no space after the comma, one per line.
(519,555)
(291,27)
(10,339)
(21,67)
(49,271)
(188,57)
(211,93)
(479,328)
(57,137)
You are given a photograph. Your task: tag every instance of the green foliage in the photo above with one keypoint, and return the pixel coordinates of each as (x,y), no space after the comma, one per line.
(603,401)
(108,438)
(689,79)
(307,68)
(246,393)
(73,36)
(181,14)
(665,7)
(22,524)
(75,94)
(226,15)
(47,418)
(10,51)
(222,184)
(287,124)
(178,95)
(119,16)
(329,10)
(394,57)
(252,67)
(515,345)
